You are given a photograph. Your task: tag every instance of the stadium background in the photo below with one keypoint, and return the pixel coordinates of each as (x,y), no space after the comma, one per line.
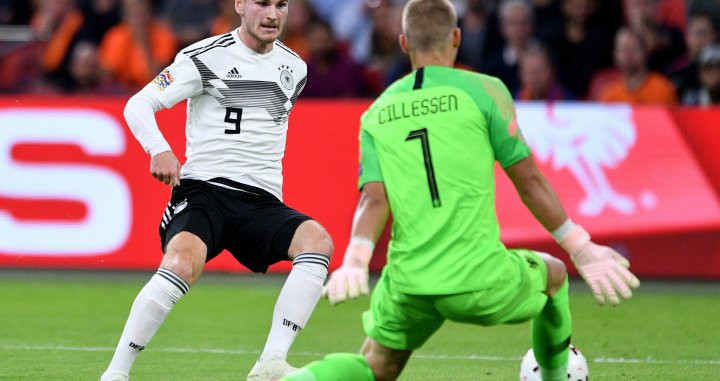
(648,170)
(643,177)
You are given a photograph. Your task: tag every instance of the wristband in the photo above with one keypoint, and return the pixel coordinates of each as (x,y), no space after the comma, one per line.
(359,251)
(364,241)
(563,230)
(575,240)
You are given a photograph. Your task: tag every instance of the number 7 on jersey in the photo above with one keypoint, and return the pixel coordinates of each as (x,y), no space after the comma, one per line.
(429,169)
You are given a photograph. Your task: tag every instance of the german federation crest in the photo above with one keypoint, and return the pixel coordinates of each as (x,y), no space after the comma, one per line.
(286,77)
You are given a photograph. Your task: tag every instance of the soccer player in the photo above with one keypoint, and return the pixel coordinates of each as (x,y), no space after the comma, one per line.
(240,88)
(429,144)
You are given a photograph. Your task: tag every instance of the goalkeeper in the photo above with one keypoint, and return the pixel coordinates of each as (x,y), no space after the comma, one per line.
(429,144)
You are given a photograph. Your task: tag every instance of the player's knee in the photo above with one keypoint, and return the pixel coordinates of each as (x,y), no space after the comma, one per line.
(311,237)
(385,363)
(556,274)
(325,244)
(383,370)
(185,256)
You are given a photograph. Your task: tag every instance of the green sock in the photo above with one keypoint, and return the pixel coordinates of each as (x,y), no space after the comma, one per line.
(334,367)
(551,332)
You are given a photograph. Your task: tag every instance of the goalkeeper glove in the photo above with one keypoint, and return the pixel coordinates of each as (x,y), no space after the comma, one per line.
(602,268)
(351,279)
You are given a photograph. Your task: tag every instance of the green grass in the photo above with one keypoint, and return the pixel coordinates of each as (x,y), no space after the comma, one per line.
(64,326)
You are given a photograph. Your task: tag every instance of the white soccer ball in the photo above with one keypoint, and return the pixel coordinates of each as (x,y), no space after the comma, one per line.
(577,366)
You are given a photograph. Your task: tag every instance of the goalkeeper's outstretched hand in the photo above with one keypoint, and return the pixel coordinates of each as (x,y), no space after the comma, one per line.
(351,279)
(347,282)
(602,268)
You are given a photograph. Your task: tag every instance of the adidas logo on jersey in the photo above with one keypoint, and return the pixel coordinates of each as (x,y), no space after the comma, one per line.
(234,73)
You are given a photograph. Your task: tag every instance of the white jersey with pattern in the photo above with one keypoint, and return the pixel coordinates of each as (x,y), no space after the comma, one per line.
(238,107)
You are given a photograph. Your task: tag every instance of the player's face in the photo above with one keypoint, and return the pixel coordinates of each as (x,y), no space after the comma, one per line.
(629,56)
(262,20)
(700,32)
(710,77)
(535,72)
(517,26)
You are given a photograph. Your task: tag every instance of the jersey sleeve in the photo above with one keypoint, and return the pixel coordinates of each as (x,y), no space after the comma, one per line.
(505,136)
(179,81)
(369,163)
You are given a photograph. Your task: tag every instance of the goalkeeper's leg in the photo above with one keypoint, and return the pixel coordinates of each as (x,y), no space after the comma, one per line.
(552,328)
(377,362)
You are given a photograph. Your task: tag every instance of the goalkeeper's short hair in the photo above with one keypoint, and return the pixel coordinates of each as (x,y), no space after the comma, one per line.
(428,24)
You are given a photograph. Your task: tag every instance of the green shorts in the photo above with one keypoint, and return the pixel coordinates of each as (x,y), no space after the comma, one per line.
(405,321)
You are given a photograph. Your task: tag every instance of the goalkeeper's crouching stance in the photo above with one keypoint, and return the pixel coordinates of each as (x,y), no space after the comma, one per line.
(429,145)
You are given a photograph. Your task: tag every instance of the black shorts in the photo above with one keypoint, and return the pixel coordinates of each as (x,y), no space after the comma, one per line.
(252,224)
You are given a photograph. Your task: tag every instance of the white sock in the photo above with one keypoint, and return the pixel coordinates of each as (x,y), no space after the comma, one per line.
(148,312)
(295,303)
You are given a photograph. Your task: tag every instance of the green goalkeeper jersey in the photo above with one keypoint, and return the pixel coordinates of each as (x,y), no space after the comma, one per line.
(432,138)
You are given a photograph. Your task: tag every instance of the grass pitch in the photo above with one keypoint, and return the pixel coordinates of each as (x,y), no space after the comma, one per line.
(65,325)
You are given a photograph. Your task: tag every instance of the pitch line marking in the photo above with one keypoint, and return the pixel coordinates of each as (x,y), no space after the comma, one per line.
(597,360)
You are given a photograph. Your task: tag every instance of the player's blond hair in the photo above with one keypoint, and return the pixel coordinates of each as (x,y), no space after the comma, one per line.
(428,24)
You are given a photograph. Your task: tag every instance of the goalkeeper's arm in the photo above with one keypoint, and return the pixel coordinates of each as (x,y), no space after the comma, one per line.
(604,270)
(350,280)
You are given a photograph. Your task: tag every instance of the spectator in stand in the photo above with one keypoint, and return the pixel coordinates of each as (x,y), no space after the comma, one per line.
(548,19)
(100,16)
(85,73)
(386,62)
(711,7)
(636,85)
(57,23)
(191,20)
(664,43)
(580,50)
(537,78)
(475,25)
(331,71)
(227,19)
(64,24)
(301,17)
(352,23)
(708,91)
(700,33)
(516,27)
(134,51)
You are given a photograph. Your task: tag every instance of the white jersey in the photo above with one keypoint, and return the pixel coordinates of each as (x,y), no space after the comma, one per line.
(237,113)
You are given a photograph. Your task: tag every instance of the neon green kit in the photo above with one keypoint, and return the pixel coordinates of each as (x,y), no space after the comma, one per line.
(433,138)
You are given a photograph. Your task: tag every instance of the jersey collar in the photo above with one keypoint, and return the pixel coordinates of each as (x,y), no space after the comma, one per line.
(244,49)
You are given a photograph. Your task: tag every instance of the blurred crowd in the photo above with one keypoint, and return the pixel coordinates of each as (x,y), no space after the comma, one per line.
(638,51)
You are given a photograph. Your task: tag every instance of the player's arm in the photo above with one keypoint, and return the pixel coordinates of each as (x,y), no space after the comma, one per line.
(536,193)
(350,280)
(176,83)
(371,215)
(604,270)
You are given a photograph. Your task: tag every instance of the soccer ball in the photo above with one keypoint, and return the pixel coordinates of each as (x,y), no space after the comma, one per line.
(577,366)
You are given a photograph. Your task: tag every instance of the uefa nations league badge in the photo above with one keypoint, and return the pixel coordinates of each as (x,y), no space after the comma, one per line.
(286,77)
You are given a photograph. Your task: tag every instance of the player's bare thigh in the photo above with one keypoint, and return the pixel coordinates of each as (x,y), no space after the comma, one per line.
(386,363)
(310,237)
(556,273)
(185,256)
